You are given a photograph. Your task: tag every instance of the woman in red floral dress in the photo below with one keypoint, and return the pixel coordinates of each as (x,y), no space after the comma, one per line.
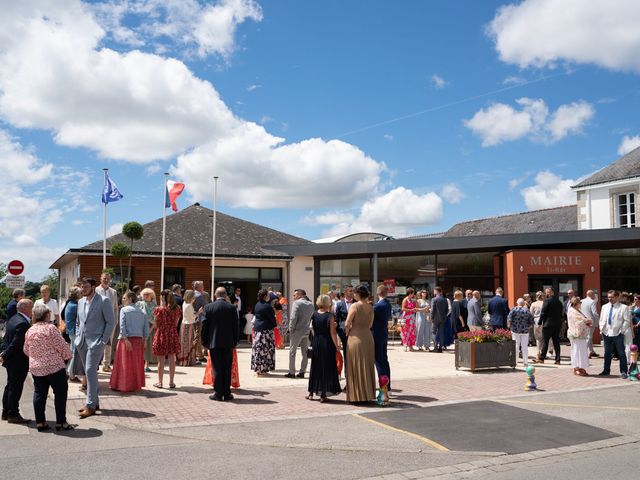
(166,342)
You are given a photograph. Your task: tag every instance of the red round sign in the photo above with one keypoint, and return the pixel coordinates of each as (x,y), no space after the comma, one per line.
(15,267)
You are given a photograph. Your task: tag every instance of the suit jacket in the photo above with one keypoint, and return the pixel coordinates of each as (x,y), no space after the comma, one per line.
(13,353)
(551,313)
(221,325)
(499,310)
(475,313)
(341,313)
(439,310)
(12,309)
(381,316)
(300,317)
(95,326)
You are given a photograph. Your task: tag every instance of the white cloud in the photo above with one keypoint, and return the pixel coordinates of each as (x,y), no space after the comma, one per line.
(36,258)
(396,212)
(388,137)
(501,123)
(252,88)
(194,27)
(438,82)
(514,182)
(628,144)
(549,190)
(113,229)
(153,169)
(514,80)
(329,218)
(451,193)
(140,107)
(544,33)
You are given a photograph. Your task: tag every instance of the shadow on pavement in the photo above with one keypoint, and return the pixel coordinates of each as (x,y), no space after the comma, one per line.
(125,413)
(252,401)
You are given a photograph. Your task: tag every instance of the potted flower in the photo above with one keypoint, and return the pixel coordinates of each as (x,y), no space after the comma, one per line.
(485,349)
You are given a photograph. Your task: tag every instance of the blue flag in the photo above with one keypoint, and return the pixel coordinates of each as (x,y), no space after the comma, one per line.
(110,192)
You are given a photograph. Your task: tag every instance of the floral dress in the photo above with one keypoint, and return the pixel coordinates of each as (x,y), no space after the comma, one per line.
(409,327)
(166,340)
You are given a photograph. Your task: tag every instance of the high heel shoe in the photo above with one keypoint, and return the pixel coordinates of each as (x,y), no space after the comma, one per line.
(64,427)
(43,428)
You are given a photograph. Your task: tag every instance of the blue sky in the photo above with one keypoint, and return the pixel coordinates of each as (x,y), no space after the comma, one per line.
(320,118)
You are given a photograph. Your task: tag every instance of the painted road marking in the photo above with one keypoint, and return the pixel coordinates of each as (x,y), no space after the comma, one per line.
(568,405)
(426,440)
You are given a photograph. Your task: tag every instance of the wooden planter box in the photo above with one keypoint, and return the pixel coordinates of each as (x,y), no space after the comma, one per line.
(474,355)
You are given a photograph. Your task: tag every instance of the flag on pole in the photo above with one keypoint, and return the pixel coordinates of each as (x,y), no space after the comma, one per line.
(110,192)
(174,189)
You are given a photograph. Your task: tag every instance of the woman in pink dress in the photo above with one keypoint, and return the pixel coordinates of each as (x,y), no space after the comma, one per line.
(409,317)
(166,342)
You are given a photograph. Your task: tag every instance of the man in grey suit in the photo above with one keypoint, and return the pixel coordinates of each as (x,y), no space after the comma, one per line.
(439,312)
(474,320)
(95,326)
(299,322)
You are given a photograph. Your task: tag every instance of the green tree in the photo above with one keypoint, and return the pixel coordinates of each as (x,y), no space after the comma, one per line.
(5,293)
(120,251)
(133,231)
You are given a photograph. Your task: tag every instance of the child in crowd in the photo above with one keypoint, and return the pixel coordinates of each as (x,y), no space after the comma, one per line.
(248,326)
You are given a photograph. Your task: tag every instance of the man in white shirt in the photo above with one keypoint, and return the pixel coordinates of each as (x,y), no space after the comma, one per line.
(614,323)
(104,290)
(589,308)
(45,293)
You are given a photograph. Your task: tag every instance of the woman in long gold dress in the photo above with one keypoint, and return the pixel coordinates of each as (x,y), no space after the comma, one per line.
(360,361)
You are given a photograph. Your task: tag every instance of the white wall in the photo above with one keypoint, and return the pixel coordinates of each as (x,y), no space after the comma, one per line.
(600,208)
(302,276)
(69,274)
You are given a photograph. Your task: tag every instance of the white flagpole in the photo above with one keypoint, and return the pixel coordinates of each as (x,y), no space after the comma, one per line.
(104,227)
(213,241)
(164,229)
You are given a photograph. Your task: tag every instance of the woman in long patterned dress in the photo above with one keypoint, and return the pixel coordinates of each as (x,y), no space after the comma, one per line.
(166,342)
(409,317)
(263,351)
(148,305)
(360,361)
(187,356)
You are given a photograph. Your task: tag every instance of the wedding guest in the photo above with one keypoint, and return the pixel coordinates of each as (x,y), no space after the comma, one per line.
(166,342)
(105,290)
(248,326)
(323,374)
(148,305)
(458,313)
(128,366)
(635,319)
(263,354)
(360,361)
(519,320)
(578,330)
(409,318)
(187,356)
(51,303)
(474,318)
(380,330)
(536,310)
(423,323)
(15,361)
(47,352)
(74,368)
(614,323)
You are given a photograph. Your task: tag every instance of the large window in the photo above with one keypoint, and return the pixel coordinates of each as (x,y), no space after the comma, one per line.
(626,210)
(335,274)
(619,270)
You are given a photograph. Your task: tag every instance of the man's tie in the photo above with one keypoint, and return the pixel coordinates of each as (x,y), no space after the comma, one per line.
(610,314)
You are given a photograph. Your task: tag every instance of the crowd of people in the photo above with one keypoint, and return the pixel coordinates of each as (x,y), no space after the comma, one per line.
(343,330)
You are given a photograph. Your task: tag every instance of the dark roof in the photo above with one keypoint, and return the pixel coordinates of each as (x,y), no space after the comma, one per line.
(625,167)
(189,233)
(559,219)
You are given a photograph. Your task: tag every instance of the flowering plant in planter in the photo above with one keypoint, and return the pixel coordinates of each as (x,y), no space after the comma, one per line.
(485,336)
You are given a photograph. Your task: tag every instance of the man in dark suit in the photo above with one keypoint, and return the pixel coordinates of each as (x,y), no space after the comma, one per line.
(15,361)
(380,331)
(439,313)
(220,330)
(342,309)
(498,310)
(551,321)
(12,306)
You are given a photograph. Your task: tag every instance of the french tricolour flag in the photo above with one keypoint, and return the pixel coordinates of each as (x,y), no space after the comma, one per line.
(174,189)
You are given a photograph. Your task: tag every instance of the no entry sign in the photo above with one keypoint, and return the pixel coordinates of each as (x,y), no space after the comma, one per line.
(15,267)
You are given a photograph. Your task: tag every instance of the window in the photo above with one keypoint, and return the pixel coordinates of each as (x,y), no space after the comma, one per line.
(173,276)
(626,210)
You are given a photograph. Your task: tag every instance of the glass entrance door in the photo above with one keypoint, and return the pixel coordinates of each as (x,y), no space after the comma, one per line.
(561,284)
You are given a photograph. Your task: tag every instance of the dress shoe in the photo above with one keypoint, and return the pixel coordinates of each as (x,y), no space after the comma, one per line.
(624,376)
(4,416)
(594,355)
(300,375)
(229,397)
(539,360)
(18,419)
(87,412)
(289,375)
(557,362)
(216,397)
(604,374)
